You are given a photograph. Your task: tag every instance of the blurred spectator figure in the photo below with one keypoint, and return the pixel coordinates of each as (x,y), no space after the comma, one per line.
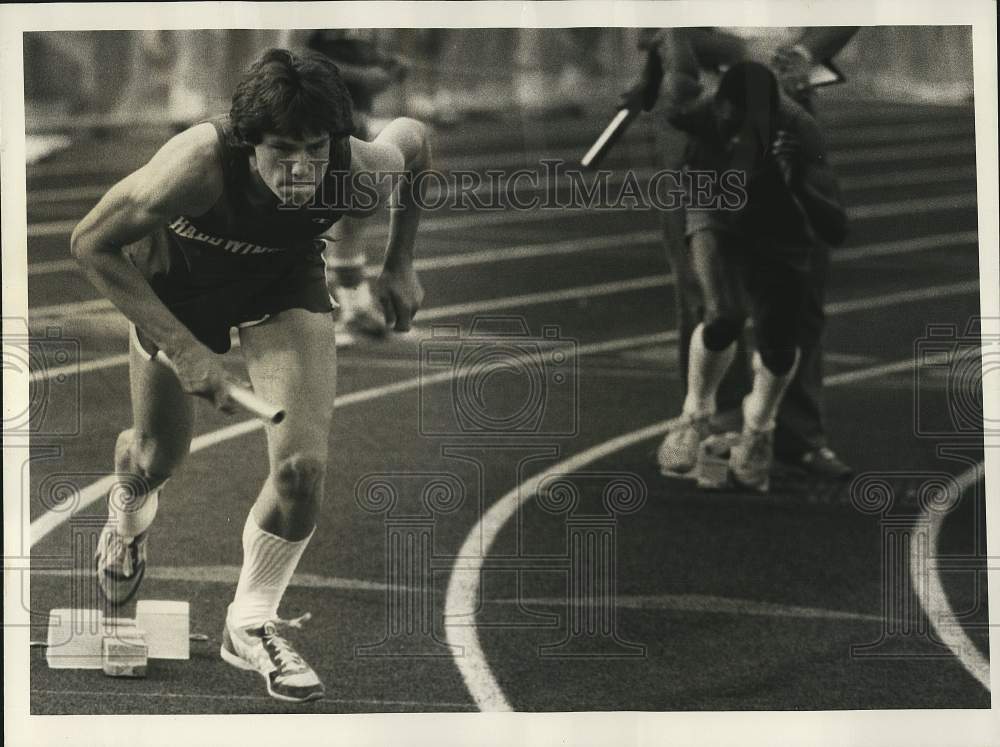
(367,72)
(694,60)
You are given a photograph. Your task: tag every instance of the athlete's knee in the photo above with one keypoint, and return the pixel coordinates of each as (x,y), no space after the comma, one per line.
(299,477)
(719,332)
(150,459)
(777,344)
(779,360)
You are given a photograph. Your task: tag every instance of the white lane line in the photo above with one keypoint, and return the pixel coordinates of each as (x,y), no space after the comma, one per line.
(533,299)
(570,246)
(843,156)
(701,604)
(61,373)
(933,597)
(52,519)
(603,289)
(132,694)
(696,603)
(905,246)
(440,312)
(902,297)
(461,259)
(462,598)
(229,574)
(913,206)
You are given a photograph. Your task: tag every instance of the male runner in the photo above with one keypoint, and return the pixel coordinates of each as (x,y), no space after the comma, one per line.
(763,250)
(218,231)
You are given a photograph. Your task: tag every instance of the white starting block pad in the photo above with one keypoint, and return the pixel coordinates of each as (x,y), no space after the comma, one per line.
(85,639)
(167,626)
(711,470)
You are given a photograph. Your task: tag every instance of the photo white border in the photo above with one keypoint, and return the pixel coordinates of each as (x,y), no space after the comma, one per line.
(932,728)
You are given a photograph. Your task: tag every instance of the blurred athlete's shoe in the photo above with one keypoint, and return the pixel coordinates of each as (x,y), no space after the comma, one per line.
(751,458)
(264,650)
(359,314)
(678,454)
(120,563)
(822,462)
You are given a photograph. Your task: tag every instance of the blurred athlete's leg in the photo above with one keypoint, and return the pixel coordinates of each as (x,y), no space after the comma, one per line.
(778,292)
(145,456)
(712,348)
(345,265)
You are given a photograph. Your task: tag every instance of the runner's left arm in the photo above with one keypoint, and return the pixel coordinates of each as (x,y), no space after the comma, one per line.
(402,149)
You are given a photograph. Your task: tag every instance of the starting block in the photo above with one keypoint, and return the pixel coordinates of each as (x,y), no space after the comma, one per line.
(125,656)
(121,647)
(167,626)
(76,637)
(712,468)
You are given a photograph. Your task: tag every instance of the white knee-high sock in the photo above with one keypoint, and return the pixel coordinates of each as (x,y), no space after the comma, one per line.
(705,371)
(132,515)
(760,407)
(268,564)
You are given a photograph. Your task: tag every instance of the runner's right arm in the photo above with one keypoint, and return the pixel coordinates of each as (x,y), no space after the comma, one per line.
(183,178)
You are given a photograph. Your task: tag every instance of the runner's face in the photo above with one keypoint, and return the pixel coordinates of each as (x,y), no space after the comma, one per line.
(292,168)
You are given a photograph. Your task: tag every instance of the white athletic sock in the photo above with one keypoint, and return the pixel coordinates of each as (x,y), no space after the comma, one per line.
(705,371)
(268,564)
(760,407)
(132,515)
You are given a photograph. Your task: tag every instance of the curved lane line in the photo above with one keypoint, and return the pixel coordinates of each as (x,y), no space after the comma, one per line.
(933,598)
(462,597)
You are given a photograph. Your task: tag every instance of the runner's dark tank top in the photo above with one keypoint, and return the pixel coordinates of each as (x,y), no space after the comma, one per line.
(244,224)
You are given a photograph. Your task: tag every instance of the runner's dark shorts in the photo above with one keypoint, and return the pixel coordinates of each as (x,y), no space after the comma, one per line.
(211,291)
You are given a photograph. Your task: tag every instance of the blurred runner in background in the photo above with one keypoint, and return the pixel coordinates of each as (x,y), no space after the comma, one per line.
(751,259)
(366,72)
(693,60)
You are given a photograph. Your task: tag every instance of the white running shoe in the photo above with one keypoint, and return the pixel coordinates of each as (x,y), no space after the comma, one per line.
(751,458)
(120,564)
(264,650)
(678,454)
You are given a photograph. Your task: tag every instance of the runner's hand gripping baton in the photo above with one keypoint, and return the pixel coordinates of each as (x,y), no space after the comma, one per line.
(242,396)
(640,98)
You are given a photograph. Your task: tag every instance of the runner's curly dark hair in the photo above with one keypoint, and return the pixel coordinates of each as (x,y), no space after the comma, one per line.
(291,94)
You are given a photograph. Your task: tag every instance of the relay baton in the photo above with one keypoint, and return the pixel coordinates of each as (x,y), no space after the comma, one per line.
(612,133)
(242,396)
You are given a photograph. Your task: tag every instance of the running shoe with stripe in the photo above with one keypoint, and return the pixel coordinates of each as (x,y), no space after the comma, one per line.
(120,564)
(264,650)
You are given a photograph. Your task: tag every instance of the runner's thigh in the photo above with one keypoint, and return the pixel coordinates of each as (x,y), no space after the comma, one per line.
(292,361)
(718,275)
(162,413)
